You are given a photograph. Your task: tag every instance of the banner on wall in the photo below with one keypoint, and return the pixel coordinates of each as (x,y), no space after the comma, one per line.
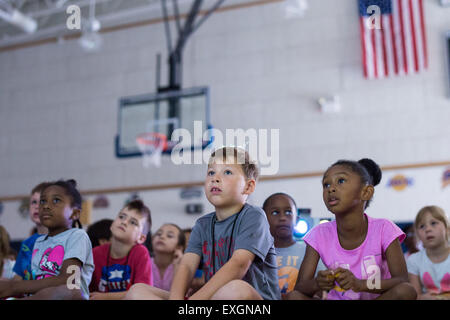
(101,202)
(446,178)
(400,182)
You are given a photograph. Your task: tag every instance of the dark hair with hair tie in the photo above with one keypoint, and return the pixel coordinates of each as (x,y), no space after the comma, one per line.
(367,169)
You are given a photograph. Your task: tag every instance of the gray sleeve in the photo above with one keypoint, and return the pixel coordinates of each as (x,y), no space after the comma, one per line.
(254,234)
(78,246)
(195,240)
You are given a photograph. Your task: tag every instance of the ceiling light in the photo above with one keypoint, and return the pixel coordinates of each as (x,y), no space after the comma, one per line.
(20,20)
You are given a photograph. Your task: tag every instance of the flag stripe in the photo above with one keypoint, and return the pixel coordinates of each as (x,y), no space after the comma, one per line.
(424,34)
(398,36)
(413,35)
(389,49)
(363,42)
(374,50)
(419,39)
(394,45)
(403,36)
(383,39)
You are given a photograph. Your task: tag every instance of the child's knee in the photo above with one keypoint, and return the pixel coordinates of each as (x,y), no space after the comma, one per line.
(296,295)
(135,291)
(404,291)
(236,290)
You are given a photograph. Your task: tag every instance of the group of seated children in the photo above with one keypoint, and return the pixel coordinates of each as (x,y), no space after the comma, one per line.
(244,252)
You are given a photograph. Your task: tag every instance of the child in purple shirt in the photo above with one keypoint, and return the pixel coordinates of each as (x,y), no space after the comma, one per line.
(168,244)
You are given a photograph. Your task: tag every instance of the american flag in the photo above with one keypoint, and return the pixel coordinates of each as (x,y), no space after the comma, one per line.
(396,42)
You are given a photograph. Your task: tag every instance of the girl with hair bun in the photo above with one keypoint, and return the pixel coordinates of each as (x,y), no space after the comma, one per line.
(362,254)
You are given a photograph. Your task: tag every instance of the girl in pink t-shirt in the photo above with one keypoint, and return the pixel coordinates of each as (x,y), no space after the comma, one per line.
(168,245)
(363,256)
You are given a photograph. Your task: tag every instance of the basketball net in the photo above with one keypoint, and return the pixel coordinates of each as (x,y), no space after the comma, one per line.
(151,145)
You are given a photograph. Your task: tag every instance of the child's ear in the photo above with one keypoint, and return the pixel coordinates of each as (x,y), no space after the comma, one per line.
(250,186)
(142,238)
(367,192)
(76,214)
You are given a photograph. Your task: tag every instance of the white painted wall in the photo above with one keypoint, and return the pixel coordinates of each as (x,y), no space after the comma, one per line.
(58,105)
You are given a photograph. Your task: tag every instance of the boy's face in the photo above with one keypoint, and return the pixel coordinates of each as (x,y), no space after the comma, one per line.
(280,213)
(226,184)
(128,227)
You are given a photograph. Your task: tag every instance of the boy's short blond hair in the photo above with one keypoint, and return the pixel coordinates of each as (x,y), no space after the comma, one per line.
(436,212)
(241,157)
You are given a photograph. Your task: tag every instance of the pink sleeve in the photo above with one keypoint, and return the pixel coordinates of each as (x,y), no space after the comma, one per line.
(312,238)
(143,267)
(390,232)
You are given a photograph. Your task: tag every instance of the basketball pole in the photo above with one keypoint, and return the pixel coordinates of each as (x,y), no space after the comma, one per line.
(176,52)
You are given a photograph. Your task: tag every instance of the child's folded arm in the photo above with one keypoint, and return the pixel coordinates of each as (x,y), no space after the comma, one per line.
(183,276)
(306,282)
(234,269)
(33,286)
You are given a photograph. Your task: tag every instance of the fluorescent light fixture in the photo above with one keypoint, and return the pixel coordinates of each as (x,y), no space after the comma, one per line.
(20,20)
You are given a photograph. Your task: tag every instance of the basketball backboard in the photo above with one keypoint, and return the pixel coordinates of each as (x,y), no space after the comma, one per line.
(162,113)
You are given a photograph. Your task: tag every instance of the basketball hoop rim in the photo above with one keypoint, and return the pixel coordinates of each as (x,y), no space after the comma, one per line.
(155,139)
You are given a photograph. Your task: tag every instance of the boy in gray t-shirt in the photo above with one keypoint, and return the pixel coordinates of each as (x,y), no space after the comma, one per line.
(248,230)
(234,242)
(237,235)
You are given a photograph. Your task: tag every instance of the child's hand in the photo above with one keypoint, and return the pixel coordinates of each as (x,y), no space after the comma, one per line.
(325,279)
(347,281)
(177,256)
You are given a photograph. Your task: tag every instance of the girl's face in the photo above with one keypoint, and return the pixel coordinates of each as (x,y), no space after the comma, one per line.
(431,231)
(55,210)
(342,190)
(166,239)
(281,214)
(34,208)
